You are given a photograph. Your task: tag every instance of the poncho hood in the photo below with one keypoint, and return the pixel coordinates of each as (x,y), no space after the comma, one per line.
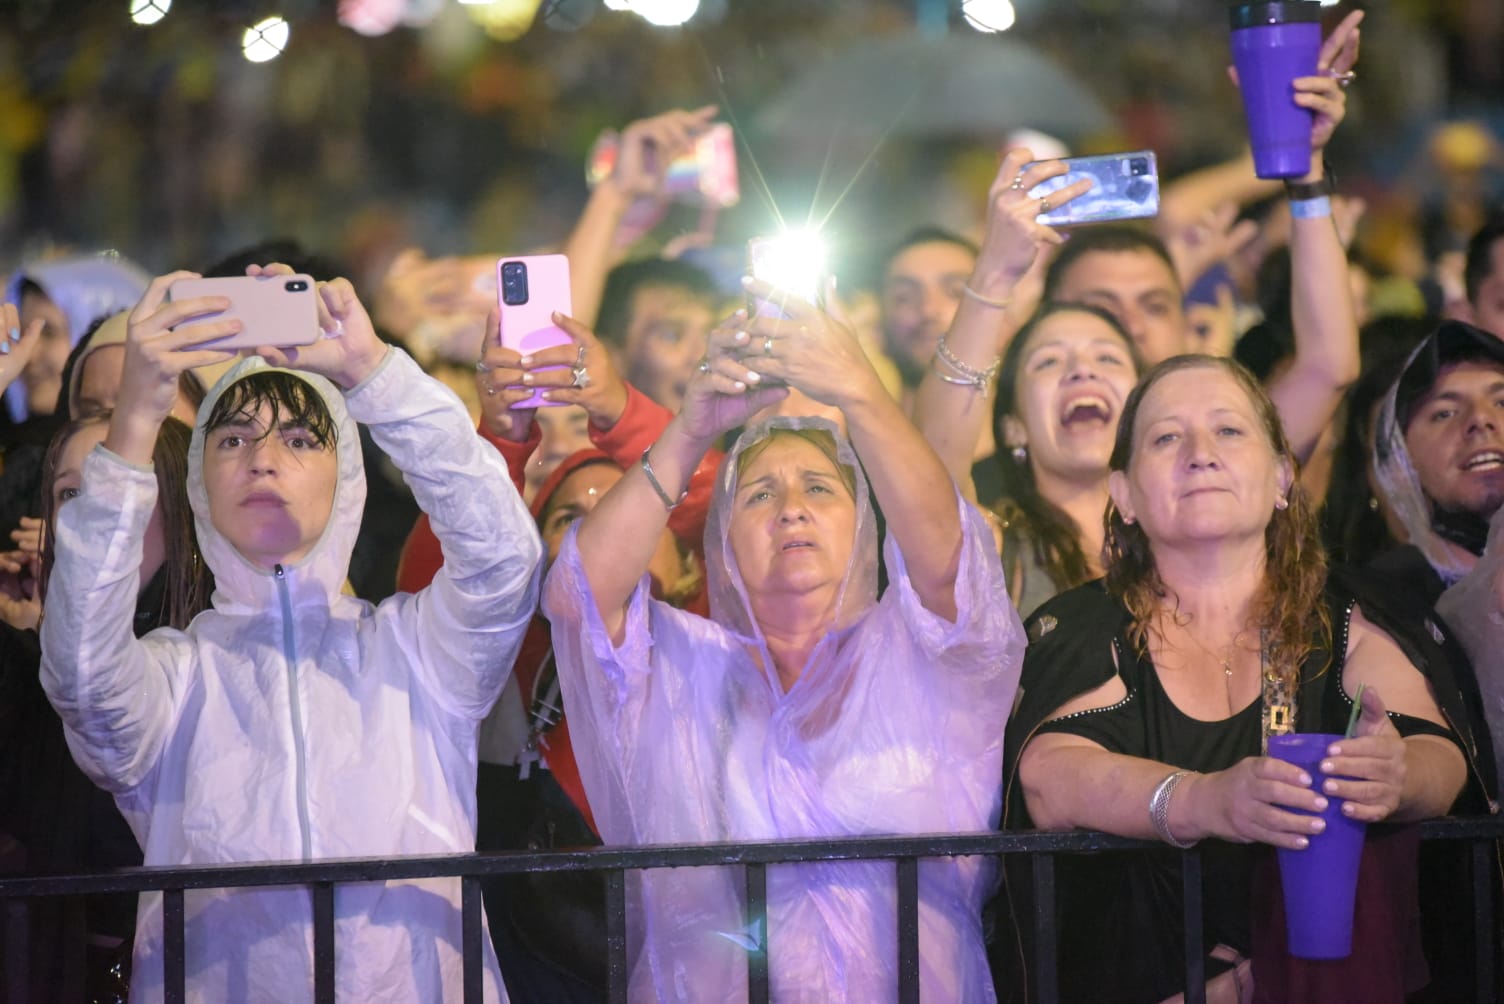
(85,288)
(320,575)
(730,605)
(1451,342)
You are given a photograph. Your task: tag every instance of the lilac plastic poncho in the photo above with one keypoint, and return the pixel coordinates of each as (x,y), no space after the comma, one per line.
(896,726)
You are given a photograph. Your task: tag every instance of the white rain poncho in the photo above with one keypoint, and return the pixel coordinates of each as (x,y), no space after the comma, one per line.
(291,722)
(895,726)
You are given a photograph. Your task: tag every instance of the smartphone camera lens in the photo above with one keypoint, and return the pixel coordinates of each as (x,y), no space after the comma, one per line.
(514,283)
(1140,166)
(295,285)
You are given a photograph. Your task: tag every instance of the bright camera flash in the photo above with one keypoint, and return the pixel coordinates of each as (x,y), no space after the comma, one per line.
(665,13)
(265,39)
(145,12)
(793,261)
(988,15)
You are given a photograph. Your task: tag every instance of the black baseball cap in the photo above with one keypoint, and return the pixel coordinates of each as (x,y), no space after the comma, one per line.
(1452,342)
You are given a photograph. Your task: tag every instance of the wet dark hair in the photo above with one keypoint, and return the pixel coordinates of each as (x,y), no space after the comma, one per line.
(187,581)
(1052,534)
(1111,238)
(1480,255)
(293,400)
(928,234)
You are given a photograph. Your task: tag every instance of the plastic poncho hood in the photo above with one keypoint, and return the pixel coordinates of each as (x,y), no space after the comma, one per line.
(86,289)
(730,606)
(321,572)
(1452,342)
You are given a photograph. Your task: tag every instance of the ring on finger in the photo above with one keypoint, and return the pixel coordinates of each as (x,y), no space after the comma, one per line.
(767,345)
(581,377)
(579,358)
(1345,79)
(490,390)
(1018,183)
(481,367)
(1044,205)
(704,366)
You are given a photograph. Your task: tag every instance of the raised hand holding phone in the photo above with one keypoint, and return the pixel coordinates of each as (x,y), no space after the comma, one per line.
(530,291)
(348,349)
(159,347)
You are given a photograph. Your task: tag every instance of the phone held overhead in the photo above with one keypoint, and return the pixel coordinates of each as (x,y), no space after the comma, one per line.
(273,310)
(1125,186)
(529,291)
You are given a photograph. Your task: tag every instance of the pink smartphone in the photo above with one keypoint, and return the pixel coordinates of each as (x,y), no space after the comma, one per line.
(528,291)
(273,310)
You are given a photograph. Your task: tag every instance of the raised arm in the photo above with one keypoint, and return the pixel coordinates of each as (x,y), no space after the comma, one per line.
(627,200)
(617,539)
(952,407)
(810,351)
(1326,360)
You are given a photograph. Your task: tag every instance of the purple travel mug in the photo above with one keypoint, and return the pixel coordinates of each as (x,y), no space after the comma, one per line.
(1273,43)
(1320,882)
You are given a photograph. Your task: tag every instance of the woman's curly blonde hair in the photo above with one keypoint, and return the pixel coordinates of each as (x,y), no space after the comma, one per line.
(1288,612)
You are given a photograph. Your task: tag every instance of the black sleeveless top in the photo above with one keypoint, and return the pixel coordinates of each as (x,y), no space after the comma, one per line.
(1119,918)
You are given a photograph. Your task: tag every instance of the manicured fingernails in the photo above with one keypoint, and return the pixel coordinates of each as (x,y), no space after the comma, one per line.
(527,378)
(1305,779)
(754,377)
(742,336)
(526,361)
(1320,804)
(15,334)
(1330,787)
(739,385)
(1348,809)
(1301,843)
(4,348)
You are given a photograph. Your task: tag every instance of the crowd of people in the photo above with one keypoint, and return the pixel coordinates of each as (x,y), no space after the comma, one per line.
(1042,530)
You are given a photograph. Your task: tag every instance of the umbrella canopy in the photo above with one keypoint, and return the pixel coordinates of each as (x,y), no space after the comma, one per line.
(951,85)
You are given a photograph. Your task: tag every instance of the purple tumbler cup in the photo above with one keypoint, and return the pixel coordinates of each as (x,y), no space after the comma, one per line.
(1273,43)
(1320,882)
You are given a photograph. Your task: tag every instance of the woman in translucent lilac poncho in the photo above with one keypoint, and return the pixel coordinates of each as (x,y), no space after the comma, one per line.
(804,706)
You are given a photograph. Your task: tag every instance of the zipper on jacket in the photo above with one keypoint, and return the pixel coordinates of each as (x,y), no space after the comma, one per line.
(300,756)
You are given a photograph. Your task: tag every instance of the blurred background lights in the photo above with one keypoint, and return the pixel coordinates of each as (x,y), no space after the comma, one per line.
(988,15)
(265,39)
(665,13)
(149,11)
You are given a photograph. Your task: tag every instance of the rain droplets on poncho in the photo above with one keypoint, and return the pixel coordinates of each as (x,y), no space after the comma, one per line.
(895,726)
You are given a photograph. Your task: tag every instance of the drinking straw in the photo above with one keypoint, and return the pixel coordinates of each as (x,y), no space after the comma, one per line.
(1352,719)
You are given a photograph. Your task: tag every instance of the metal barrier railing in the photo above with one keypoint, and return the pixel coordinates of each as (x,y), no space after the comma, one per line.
(322,876)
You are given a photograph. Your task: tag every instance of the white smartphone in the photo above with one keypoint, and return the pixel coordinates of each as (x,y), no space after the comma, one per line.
(274,310)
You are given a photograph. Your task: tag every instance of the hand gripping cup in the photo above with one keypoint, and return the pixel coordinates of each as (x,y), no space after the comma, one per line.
(1320,882)
(1274,42)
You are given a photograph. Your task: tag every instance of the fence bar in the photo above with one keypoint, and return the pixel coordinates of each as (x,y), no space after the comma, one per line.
(1195,950)
(757,933)
(17,951)
(1485,929)
(616,936)
(323,943)
(1046,968)
(472,951)
(174,958)
(908,930)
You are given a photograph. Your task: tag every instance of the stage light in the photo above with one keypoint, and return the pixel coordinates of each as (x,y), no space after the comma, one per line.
(145,12)
(665,13)
(988,15)
(265,39)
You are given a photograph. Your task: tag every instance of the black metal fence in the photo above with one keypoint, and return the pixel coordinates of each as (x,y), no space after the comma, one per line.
(1042,848)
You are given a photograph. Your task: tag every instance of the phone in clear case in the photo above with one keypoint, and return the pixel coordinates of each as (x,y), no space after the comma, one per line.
(1125,187)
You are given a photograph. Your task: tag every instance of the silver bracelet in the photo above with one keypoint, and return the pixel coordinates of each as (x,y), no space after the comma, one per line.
(668,501)
(1159,809)
(966,376)
(984,300)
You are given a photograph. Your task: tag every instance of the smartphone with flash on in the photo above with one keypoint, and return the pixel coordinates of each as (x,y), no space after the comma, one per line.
(1125,187)
(529,289)
(273,310)
(794,262)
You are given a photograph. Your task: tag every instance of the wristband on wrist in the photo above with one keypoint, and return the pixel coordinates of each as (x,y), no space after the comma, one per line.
(1159,809)
(668,501)
(1300,191)
(1310,209)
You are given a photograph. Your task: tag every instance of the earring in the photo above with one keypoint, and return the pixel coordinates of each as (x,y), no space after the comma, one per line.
(1280,502)
(1373,504)
(1020,454)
